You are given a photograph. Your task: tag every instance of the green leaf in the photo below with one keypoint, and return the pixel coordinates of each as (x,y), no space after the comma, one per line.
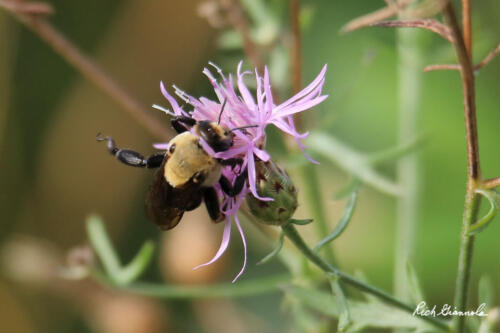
(486,291)
(415,289)
(374,314)
(339,297)
(494,200)
(394,153)
(275,251)
(138,265)
(101,243)
(342,224)
(301,222)
(103,247)
(347,190)
(351,161)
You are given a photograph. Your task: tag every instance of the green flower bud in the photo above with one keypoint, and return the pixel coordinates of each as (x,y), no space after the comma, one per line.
(273,182)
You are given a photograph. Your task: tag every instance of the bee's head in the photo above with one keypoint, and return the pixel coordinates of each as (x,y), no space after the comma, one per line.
(217,137)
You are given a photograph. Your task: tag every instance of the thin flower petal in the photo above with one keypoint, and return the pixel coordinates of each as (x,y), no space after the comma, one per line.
(161,146)
(262,154)
(242,234)
(299,108)
(178,111)
(252,178)
(245,93)
(318,81)
(223,246)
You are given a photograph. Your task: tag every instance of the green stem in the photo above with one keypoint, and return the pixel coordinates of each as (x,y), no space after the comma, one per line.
(472,201)
(292,234)
(315,204)
(410,77)
(223,290)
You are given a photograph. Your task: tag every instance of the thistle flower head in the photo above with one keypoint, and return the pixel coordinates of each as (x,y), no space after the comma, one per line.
(239,108)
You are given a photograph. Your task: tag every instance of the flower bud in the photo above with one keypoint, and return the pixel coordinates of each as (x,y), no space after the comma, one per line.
(273,182)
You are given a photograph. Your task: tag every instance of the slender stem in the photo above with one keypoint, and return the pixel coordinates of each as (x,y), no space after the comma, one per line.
(467,26)
(236,17)
(474,171)
(467,72)
(89,69)
(409,88)
(308,172)
(292,234)
(313,195)
(465,257)
(223,290)
(491,183)
(296,46)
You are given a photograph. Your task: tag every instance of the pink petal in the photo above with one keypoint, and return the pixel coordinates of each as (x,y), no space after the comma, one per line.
(282,125)
(244,247)
(262,154)
(299,108)
(252,177)
(175,106)
(223,246)
(318,81)
(245,93)
(207,148)
(161,146)
(269,95)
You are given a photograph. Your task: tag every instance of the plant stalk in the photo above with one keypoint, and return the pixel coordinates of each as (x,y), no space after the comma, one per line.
(409,91)
(462,47)
(292,234)
(81,62)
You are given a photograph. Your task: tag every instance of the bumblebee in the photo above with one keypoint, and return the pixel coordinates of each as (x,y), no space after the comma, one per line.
(186,174)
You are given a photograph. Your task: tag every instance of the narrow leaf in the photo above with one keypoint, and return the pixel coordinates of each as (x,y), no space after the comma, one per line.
(301,222)
(374,314)
(480,225)
(340,299)
(486,291)
(138,265)
(415,289)
(394,153)
(101,243)
(351,161)
(274,252)
(342,225)
(427,24)
(347,190)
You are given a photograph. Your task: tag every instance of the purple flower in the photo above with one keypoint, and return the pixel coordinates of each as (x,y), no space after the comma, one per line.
(242,109)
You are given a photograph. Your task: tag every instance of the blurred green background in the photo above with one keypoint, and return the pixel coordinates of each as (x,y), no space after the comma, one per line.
(54,174)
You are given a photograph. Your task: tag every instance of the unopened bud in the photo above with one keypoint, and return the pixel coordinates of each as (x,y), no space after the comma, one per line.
(273,182)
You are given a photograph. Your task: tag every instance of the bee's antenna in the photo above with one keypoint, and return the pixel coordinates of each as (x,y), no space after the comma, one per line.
(221,110)
(243,127)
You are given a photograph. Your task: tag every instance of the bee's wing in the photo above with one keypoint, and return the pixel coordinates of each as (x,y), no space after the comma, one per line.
(165,204)
(158,208)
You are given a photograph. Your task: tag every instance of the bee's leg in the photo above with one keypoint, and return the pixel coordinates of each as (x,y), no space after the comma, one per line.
(132,158)
(233,190)
(212,204)
(182,123)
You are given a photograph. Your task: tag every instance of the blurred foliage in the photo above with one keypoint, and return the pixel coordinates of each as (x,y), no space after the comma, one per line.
(54,174)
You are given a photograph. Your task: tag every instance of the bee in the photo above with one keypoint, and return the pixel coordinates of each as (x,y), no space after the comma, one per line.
(186,174)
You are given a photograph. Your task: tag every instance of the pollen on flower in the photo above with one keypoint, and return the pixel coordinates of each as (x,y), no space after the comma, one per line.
(243,109)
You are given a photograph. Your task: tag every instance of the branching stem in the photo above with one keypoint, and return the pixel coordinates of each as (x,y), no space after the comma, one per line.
(293,235)
(462,47)
(88,69)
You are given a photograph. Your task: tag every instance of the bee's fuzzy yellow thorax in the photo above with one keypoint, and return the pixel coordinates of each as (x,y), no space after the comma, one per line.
(187,159)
